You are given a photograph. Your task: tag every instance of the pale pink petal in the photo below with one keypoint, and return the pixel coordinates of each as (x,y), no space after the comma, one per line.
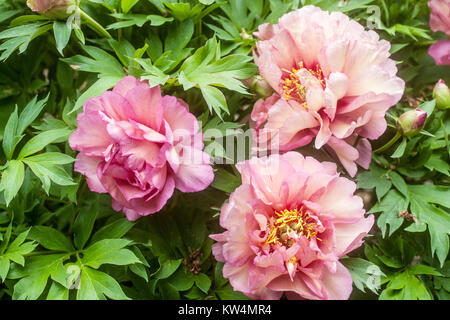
(338,286)
(147,105)
(91,136)
(349,236)
(88,167)
(440,51)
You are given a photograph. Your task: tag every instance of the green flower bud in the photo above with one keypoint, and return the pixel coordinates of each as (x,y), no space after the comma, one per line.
(442,95)
(411,122)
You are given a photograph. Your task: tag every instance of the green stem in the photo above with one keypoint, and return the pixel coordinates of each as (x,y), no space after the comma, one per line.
(94,25)
(389,144)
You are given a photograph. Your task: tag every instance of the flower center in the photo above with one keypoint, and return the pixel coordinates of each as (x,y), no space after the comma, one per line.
(294,84)
(289,225)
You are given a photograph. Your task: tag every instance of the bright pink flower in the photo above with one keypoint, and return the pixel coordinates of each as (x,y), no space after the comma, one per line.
(332,78)
(138,146)
(440,51)
(287,225)
(440,15)
(440,21)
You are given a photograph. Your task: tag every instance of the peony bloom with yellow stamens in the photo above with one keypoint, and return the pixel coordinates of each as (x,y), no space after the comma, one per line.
(287,226)
(334,82)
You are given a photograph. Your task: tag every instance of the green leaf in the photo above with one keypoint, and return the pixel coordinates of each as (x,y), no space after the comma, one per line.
(10,137)
(62,35)
(167,268)
(83,225)
(30,113)
(405,286)
(95,285)
(57,292)
(399,183)
(438,222)
(364,273)
(40,141)
(182,279)
(35,275)
(114,230)
(203,282)
(50,158)
(50,239)
(228,293)
(4,268)
(225,181)
(428,107)
(139,270)
(207,70)
(431,193)
(390,206)
(46,173)
(100,62)
(20,37)
(109,251)
(12,179)
(376,178)
(126,5)
(400,149)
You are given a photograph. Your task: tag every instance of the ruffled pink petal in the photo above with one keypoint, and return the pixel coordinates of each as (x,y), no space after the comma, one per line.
(88,167)
(440,51)
(91,136)
(125,84)
(340,201)
(338,286)
(147,105)
(284,283)
(349,236)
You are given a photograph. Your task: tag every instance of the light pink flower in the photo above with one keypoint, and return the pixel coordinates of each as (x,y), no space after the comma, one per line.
(440,21)
(287,225)
(440,15)
(332,78)
(139,146)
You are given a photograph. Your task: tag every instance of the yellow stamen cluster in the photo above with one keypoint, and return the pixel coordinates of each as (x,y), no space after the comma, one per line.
(292,86)
(288,221)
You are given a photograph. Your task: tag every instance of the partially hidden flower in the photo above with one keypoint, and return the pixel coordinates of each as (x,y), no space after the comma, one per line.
(440,52)
(411,122)
(287,226)
(53,9)
(440,15)
(440,21)
(139,146)
(334,82)
(441,93)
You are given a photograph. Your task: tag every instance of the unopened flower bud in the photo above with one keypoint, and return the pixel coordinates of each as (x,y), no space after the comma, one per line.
(441,93)
(411,122)
(260,86)
(53,9)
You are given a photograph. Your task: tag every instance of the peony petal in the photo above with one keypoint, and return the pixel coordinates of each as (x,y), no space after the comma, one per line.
(88,167)
(338,286)
(349,235)
(147,105)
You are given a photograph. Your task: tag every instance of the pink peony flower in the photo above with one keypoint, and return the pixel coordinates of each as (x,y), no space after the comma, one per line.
(333,81)
(440,52)
(138,146)
(440,15)
(440,21)
(287,225)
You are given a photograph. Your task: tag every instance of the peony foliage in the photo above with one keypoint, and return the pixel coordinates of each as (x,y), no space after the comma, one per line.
(224,149)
